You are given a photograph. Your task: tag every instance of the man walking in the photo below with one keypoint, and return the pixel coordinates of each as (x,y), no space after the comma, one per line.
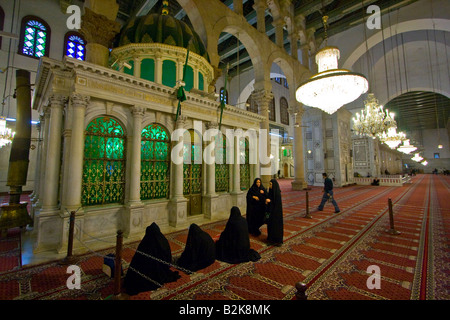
(328,194)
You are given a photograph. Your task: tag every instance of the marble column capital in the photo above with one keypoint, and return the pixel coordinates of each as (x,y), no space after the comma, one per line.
(137,111)
(181,121)
(211,125)
(79,100)
(57,100)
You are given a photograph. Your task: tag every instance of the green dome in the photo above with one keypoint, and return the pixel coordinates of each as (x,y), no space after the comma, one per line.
(160,28)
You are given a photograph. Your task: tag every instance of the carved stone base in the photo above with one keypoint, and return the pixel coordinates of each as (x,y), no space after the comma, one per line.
(178,212)
(299,185)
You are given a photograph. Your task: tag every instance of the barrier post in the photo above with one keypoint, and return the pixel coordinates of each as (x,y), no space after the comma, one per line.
(307,215)
(391,220)
(301,291)
(70,259)
(118,266)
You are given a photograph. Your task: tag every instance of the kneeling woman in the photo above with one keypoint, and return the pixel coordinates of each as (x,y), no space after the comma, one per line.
(233,245)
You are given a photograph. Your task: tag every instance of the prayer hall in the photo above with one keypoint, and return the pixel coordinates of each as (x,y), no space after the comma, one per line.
(229,150)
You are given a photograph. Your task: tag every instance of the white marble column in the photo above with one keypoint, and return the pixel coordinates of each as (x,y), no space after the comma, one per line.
(75,170)
(263,98)
(299,182)
(178,203)
(158,68)
(137,67)
(53,158)
(135,165)
(46,124)
(209,201)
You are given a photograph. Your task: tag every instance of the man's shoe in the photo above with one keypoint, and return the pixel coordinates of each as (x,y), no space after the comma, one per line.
(337,211)
(319,209)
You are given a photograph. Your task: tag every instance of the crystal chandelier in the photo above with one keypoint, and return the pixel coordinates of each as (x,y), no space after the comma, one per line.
(425,162)
(417,158)
(392,138)
(406,147)
(331,88)
(6,135)
(373,121)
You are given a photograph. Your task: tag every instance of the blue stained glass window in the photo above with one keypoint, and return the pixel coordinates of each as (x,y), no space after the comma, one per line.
(35,39)
(75,47)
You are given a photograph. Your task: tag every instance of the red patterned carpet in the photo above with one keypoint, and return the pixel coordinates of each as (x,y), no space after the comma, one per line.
(331,253)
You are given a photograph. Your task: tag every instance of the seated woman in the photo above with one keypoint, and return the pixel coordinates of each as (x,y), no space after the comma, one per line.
(256,207)
(275,209)
(143,267)
(199,252)
(376,182)
(233,245)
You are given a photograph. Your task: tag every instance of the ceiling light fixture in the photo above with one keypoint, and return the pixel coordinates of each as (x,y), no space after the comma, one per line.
(331,88)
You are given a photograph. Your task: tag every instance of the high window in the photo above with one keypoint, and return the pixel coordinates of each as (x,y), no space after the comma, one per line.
(35,37)
(75,46)
(284,113)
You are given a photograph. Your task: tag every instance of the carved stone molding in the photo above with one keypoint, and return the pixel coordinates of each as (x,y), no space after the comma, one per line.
(96,28)
(79,100)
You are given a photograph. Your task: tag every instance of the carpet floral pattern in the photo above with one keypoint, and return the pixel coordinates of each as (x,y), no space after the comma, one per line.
(331,253)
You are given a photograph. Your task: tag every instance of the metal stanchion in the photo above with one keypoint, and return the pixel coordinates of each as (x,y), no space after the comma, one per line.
(301,291)
(307,215)
(70,259)
(391,220)
(118,268)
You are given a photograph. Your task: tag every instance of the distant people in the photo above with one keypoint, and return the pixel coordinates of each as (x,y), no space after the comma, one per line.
(376,182)
(435,171)
(328,194)
(233,245)
(200,250)
(142,266)
(256,207)
(275,219)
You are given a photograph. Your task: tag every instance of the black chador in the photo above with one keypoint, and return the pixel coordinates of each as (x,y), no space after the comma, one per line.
(199,252)
(275,209)
(233,245)
(156,245)
(256,207)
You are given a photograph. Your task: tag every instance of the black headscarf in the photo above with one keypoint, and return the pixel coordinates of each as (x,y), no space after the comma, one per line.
(199,252)
(256,208)
(156,245)
(233,245)
(275,221)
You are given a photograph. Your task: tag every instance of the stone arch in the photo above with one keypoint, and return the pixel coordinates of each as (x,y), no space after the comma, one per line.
(402,27)
(196,18)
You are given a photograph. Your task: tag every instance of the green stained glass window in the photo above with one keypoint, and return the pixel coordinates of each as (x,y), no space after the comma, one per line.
(104,162)
(192,171)
(35,39)
(148,69)
(221,167)
(155,162)
(189,78)
(244,164)
(201,81)
(169,74)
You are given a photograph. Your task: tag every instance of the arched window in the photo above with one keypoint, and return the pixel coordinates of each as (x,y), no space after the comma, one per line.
(104,162)
(284,111)
(2,22)
(223,95)
(244,165)
(34,37)
(222,168)
(75,45)
(155,162)
(272,110)
(252,105)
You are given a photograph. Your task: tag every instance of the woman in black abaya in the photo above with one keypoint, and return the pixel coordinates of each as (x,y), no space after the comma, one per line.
(233,245)
(156,245)
(256,207)
(199,252)
(275,209)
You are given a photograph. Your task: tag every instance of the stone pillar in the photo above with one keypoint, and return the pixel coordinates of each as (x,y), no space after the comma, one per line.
(238,7)
(75,172)
(299,182)
(278,24)
(45,122)
(209,202)
(99,28)
(178,203)
(137,67)
(263,97)
(260,8)
(158,68)
(134,209)
(293,38)
(196,84)
(53,158)
(305,55)
(236,187)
